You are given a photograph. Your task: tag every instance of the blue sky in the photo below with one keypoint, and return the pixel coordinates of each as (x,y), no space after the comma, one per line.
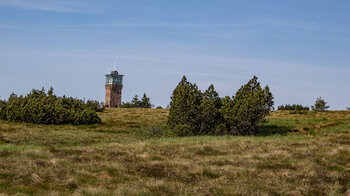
(300,48)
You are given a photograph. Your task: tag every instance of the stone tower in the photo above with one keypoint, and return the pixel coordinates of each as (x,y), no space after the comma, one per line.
(114,86)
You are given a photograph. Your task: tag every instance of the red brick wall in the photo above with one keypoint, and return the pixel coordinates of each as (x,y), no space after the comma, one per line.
(113,95)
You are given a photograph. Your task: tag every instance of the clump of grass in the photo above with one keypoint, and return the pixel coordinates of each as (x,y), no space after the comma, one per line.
(276,162)
(210,174)
(156,170)
(209,151)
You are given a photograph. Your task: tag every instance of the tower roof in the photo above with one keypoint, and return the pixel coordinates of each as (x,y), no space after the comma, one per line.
(114,73)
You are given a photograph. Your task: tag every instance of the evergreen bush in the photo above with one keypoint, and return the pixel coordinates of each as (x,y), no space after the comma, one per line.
(208,114)
(185,106)
(183,130)
(145,102)
(95,105)
(40,107)
(247,108)
(3,110)
(296,107)
(320,105)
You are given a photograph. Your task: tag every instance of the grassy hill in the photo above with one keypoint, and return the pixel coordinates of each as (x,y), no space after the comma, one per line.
(306,154)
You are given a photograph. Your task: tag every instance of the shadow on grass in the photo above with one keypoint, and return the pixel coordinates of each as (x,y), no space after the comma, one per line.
(266,130)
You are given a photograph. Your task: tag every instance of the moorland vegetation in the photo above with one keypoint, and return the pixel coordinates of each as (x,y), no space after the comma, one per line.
(137,151)
(39,107)
(305,154)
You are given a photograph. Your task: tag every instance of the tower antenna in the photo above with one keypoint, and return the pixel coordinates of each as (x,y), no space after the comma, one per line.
(114,66)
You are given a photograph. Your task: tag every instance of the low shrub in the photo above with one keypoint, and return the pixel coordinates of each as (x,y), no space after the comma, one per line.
(39,107)
(158,129)
(182,130)
(296,107)
(95,105)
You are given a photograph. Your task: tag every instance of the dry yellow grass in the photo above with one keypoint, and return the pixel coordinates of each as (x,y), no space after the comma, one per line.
(134,117)
(120,158)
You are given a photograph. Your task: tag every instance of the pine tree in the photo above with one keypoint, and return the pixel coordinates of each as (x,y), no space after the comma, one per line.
(135,102)
(146,102)
(185,106)
(269,99)
(210,111)
(320,105)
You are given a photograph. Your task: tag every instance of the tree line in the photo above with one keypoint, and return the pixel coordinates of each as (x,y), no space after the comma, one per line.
(193,112)
(40,107)
(145,102)
(293,107)
(320,105)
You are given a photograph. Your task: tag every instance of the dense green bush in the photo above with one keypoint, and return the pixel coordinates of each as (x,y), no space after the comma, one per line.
(192,111)
(247,108)
(95,105)
(40,107)
(182,130)
(3,110)
(296,107)
(145,102)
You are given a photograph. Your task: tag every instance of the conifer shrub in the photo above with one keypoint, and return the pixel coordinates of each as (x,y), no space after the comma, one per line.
(185,106)
(39,107)
(145,102)
(296,107)
(183,130)
(197,113)
(3,110)
(210,116)
(95,105)
(320,105)
(247,108)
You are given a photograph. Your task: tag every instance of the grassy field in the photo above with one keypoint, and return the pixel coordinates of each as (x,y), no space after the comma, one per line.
(306,154)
